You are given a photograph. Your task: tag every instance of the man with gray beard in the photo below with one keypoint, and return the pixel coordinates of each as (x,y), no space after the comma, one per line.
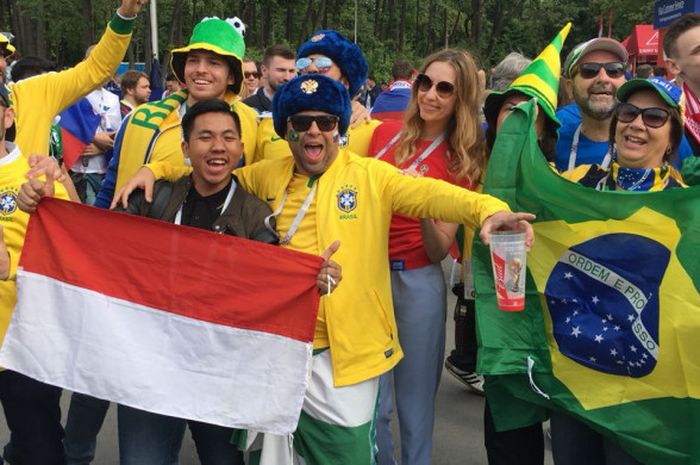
(593,70)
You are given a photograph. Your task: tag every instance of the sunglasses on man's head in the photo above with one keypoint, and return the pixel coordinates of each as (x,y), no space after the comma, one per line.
(323,63)
(302,123)
(652,117)
(614,69)
(424,84)
(250,74)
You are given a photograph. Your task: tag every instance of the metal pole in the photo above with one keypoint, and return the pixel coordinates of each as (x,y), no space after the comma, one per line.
(154,29)
(355,33)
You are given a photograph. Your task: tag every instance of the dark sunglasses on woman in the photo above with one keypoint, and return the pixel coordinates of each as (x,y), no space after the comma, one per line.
(652,117)
(424,84)
(302,123)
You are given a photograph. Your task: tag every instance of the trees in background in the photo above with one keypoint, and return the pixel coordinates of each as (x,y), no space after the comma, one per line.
(386,29)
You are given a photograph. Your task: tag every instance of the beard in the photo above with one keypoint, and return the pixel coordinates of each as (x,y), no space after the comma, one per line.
(596,110)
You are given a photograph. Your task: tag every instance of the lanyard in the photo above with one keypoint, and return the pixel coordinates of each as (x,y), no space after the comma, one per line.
(574,148)
(297,219)
(421,158)
(224,206)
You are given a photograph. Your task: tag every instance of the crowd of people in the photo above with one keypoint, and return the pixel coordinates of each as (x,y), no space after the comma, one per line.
(305,151)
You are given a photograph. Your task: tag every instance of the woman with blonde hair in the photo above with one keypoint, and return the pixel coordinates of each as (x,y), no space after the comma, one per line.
(440,137)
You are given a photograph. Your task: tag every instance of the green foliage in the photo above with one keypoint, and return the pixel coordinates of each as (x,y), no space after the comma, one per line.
(386,29)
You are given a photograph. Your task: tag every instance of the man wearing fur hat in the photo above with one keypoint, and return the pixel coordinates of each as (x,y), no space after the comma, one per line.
(321,194)
(211,67)
(330,53)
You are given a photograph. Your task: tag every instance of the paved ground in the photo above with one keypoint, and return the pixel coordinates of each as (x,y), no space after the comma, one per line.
(458,428)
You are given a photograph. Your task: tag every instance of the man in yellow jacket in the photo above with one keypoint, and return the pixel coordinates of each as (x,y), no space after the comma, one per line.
(31,407)
(321,194)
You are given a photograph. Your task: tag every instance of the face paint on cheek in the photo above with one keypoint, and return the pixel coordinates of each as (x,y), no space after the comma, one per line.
(292,135)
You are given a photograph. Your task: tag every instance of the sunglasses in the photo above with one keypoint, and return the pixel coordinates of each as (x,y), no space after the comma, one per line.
(614,69)
(652,117)
(302,123)
(249,74)
(424,84)
(323,63)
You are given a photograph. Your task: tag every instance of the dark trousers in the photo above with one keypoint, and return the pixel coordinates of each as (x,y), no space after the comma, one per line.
(522,446)
(33,416)
(464,354)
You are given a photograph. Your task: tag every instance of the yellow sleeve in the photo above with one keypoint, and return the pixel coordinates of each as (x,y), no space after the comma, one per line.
(433,198)
(575,174)
(360,137)
(54,92)
(168,171)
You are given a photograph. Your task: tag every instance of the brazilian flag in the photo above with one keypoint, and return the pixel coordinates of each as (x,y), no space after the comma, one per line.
(610,333)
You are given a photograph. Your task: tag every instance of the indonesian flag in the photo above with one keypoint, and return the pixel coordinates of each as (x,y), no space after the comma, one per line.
(170,319)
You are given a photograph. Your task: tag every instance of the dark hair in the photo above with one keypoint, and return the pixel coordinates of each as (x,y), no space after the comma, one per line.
(171,77)
(207,106)
(659,71)
(645,71)
(678,27)
(676,129)
(278,50)
(547,143)
(402,69)
(130,79)
(31,66)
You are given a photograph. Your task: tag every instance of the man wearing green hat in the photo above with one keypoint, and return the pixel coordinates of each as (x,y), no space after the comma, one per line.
(211,67)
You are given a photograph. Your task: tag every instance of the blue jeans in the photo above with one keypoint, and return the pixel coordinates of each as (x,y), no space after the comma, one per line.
(85,417)
(151,439)
(420,303)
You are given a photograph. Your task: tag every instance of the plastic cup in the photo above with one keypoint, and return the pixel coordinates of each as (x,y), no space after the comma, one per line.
(508,254)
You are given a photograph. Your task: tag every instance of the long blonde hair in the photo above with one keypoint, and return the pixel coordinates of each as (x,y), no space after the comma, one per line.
(465,138)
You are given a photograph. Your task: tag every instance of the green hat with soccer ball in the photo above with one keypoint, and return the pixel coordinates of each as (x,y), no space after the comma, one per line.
(221,36)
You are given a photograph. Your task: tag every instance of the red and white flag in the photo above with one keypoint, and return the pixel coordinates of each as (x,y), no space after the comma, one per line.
(169,319)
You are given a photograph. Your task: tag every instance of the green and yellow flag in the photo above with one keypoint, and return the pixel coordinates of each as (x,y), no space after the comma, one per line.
(611,328)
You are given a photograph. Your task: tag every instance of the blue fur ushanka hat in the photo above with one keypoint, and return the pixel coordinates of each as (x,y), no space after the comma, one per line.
(343,52)
(310,92)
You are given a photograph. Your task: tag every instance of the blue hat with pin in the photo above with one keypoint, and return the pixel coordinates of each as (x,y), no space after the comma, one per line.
(307,93)
(344,53)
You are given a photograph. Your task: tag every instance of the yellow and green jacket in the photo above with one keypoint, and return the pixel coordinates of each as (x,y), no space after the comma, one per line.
(39,99)
(152,133)
(355,200)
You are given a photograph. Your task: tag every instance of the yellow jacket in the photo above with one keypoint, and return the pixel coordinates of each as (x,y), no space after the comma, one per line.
(39,99)
(360,314)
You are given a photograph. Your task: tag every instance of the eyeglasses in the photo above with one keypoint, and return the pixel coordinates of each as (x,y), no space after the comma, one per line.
(323,63)
(614,69)
(250,74)
(652,117)
(302,123)
(424,84)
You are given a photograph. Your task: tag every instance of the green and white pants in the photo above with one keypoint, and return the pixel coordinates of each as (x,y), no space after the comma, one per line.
(336,425)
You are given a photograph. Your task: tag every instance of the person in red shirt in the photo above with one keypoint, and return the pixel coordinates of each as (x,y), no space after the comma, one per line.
(441,138)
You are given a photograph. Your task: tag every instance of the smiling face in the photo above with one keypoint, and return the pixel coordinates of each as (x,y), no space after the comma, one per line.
(207,76)
(315,150)
(596,96)
(640,146)
(251,76)
(435,109)
(214,149)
